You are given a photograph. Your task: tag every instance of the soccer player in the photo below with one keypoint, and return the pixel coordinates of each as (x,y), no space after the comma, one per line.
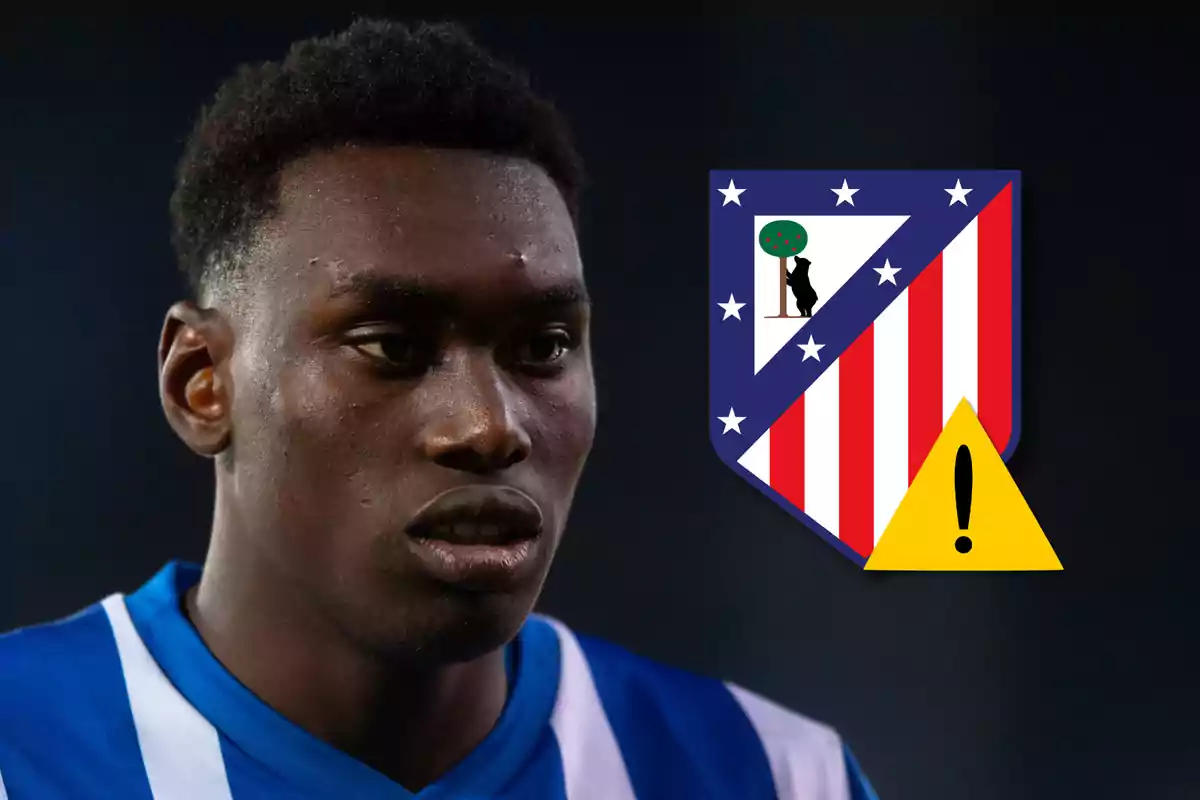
(386,357)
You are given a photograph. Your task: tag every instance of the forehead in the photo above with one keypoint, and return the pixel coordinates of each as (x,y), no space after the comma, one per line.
(449,219)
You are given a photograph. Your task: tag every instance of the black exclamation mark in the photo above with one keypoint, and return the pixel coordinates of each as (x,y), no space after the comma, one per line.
(962,496)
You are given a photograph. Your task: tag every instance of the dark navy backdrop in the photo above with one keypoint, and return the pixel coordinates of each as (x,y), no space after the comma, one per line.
(989,687)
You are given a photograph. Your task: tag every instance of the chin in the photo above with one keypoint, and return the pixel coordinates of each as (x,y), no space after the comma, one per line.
(439,624)
(466,628)
(400,607)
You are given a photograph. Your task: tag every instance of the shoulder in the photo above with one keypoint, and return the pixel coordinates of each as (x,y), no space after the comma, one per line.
(668,722)
(33,654)
(44,667)
(56,680)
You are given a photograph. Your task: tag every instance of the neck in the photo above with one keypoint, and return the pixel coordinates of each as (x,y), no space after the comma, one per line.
(411,722)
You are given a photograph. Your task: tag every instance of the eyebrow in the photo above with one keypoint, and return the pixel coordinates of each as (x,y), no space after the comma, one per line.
(379,291)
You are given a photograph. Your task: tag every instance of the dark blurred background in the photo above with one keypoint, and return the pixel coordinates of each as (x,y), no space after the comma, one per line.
(1080,684)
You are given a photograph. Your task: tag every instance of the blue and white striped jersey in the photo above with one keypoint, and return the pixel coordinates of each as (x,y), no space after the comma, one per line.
(123,701)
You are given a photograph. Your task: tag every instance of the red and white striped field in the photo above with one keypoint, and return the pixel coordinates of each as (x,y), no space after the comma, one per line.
(847,449)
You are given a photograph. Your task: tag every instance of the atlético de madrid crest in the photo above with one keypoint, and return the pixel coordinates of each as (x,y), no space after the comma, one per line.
(852,314)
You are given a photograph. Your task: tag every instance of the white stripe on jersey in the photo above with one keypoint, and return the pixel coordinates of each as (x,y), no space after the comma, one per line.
(181,750)
(3,792)
(593,768)
(806,756)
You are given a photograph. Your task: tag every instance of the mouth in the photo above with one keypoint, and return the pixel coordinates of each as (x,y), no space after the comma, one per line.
(484,537)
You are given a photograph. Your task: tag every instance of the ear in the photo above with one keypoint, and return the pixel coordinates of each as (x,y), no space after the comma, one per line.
(193,376)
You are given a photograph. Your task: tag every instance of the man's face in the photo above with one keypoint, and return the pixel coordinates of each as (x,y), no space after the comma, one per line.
(415,324)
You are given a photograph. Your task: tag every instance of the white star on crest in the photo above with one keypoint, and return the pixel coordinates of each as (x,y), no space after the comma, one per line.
(887,273)
(732,194)
(732,422)
(958,194)
(731,308)
(844,194)
(811,349)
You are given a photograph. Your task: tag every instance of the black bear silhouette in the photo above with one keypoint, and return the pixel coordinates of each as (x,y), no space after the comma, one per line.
(802,290)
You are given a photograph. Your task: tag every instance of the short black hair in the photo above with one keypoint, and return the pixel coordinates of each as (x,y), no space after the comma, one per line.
(377,82)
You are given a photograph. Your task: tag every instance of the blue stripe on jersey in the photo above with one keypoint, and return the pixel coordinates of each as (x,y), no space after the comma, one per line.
(681,735)
(860,787)
(250,778)
(542,775)
(67,726)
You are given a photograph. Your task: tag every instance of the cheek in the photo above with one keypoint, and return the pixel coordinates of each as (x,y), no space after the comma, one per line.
(304,403)
(567,424)
(293,421)
(348,445)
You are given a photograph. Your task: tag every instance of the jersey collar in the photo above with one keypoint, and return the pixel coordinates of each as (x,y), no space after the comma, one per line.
(301,758)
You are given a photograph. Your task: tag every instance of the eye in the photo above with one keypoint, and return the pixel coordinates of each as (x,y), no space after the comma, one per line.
(545,348)
(394,351)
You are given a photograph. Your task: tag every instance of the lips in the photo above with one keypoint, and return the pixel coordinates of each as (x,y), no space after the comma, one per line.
(485,538)
(478,515)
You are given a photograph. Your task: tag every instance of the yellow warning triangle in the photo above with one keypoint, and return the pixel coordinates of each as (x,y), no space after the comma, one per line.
(1000,533)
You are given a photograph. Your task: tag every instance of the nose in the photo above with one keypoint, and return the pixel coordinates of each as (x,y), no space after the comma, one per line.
(475,420)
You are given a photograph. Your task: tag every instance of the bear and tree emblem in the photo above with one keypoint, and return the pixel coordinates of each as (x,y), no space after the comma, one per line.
(786,239)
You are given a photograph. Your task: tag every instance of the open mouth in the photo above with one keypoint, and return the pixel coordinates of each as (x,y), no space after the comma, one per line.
(485,536)
(479,515)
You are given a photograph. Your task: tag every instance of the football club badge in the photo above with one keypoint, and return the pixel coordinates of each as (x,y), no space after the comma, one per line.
(865,360)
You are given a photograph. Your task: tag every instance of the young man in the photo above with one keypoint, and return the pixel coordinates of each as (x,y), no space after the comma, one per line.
(387,360)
